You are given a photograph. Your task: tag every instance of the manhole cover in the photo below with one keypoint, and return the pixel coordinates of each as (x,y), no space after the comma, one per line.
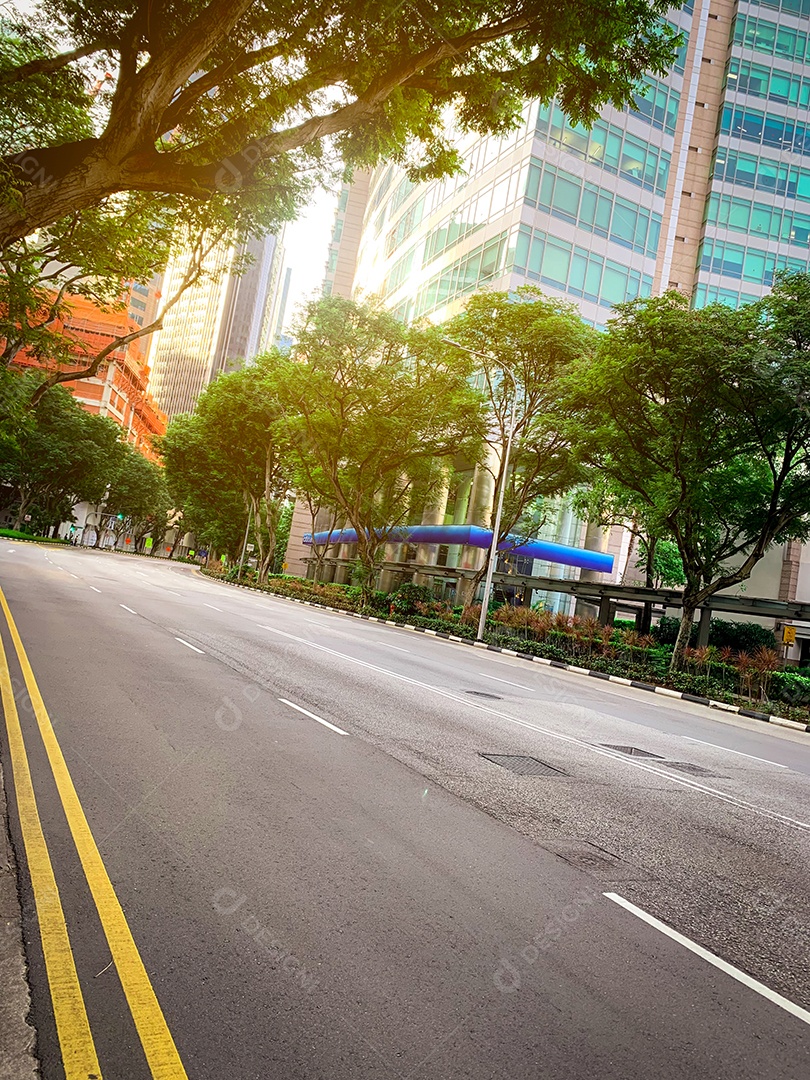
(483,693)
(523,766)
(632,751)
(688,767)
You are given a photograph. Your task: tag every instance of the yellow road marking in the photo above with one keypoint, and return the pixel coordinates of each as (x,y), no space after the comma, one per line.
(156,1039)
(72,1026)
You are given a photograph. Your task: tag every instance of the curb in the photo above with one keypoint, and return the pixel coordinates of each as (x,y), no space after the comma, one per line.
(695,699)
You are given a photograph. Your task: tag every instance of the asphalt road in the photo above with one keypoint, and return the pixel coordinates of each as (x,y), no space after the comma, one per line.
(325,879)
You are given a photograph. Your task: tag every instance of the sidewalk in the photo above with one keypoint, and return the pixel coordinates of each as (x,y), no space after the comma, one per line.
(17,1037)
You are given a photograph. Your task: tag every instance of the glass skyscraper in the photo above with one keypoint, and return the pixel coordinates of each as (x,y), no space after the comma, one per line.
(703,185)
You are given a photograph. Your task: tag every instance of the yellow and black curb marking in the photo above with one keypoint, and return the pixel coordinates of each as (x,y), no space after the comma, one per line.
(73,1027)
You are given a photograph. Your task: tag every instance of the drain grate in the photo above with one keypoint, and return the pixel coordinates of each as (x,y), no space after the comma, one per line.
(483,693)
(522,765)
(688,767)
(631,751)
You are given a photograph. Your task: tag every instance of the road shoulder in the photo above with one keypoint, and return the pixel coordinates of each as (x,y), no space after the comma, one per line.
(17,1037)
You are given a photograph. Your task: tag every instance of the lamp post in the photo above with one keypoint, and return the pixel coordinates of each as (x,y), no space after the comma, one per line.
(493,548)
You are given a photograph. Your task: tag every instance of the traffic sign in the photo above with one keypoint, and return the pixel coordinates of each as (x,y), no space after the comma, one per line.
(788,635)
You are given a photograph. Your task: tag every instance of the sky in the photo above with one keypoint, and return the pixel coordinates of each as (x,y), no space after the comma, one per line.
(307,245)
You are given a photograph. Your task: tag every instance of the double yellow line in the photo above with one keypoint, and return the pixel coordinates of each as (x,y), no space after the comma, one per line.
(72,1024)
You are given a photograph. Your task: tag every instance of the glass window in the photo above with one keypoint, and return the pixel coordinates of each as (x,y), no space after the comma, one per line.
(556,262)
(522,247)
(624,224)
(587,208)
(766,177)
(533,182)
(546,197)
(780,86)
(754,266)
(536,256)
(749,124)
(613,150)
(614,284)
(739,213)
(785,43)
(604,209)
(593,279)
(579,268)
(761,220)
(566,198)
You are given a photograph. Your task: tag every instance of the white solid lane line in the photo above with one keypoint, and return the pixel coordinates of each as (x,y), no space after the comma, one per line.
(728,750)
(212,607)
(507,682)
(680,781)
(388,645)
(716,961)
(95,589)
(188,645)
(129,609)
(312,716)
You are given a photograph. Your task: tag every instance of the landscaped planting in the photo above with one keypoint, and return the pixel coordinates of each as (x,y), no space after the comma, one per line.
(739,677)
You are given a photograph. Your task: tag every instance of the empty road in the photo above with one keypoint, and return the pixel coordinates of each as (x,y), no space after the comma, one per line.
(279,849)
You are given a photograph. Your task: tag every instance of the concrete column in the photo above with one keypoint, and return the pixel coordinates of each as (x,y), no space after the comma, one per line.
(703,626)
(606,611)
(433,514)
(479,513)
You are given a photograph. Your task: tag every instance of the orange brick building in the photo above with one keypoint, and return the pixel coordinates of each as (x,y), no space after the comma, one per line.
(119,388)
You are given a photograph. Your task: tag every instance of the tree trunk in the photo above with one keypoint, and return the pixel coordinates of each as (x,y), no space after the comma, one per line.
(649,582)
(684,633)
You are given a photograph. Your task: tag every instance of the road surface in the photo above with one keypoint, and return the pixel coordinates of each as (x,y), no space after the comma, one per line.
(320,876)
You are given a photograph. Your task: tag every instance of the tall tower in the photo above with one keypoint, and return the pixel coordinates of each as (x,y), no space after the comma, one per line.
(216,325)
(702,186)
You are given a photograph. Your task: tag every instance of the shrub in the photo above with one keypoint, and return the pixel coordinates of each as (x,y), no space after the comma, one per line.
(791,687)
(15,534)
(404,601)
(723,634)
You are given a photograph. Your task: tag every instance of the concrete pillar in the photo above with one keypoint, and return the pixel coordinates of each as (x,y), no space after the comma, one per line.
(433,514)
(703,626)
(479,513)
(606,611)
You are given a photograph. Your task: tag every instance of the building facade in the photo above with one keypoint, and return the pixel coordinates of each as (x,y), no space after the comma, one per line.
(218,323)
(702,186)
(119,389)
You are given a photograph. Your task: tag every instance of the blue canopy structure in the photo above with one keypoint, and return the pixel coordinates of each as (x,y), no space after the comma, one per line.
(474,536)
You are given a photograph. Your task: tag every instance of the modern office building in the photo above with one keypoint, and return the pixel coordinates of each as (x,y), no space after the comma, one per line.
(703,186)
(219,323)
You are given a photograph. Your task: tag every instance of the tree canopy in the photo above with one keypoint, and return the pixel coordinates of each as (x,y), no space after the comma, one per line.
(537,339)
(230,96)
(57,456)
(373,412)
(701,417)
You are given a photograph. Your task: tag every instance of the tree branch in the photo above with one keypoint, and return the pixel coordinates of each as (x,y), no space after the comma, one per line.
(47,65)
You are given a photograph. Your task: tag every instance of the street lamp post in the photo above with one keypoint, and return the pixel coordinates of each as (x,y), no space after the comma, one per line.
(493,548)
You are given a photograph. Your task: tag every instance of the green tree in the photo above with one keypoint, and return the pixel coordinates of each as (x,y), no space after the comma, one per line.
(97,251)
(220,96)
(209,503)
(537,339)
(703,417)
(664,567)
(139,499)
(373,412)
(239,415)
(58,456)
